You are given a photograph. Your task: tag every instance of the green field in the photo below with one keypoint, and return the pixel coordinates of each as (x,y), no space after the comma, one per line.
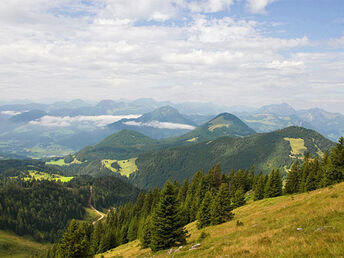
(33,174)
(126,167)
(59,162)
(303,225)
(297,145)
(12,245)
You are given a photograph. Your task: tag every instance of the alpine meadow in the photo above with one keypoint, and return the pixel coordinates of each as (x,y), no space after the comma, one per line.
(171,128)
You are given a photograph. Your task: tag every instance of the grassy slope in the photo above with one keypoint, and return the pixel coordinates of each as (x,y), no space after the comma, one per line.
(45,176)
(12,245)
(126,167)
(269,230)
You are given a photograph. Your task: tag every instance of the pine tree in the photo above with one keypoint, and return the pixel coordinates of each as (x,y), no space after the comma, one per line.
(221,210)
(238,198)
(74,242)
(203,216)
(259,188)
(293,179)
(145,237)
(273,187)
(167,228)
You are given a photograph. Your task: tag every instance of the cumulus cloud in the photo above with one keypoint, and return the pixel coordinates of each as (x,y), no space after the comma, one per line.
(65,121)
(161,125)
(258,6)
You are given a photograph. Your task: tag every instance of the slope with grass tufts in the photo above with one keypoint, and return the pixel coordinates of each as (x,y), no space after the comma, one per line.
(303,225)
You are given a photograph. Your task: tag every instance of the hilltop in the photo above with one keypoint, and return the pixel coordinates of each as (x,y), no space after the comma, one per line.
(303,225)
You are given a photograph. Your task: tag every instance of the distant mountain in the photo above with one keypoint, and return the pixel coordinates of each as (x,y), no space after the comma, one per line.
(283,109)
(28,116)
(330,124)
(267,122)
(129,144)
(277,116)
(264,151)
(161,123)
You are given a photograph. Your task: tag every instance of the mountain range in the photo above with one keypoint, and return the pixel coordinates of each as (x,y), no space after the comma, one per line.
(41,130)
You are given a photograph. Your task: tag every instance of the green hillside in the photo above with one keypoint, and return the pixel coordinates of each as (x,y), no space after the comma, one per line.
(118,146)
(303,225)
(265,151)
(12,245)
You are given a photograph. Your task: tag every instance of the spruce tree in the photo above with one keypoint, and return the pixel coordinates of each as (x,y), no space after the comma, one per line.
(273,187)
(203,216)
(145,237)
(238,198)
(221,210)
(293,179)
(167,228)
(259,188)
(74,242)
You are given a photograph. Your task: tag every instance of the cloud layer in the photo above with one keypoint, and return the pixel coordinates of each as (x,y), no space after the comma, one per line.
(100,121)
(161,125)
(167,49)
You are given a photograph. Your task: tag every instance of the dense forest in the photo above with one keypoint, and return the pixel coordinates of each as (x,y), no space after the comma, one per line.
(43,208)
(158,217)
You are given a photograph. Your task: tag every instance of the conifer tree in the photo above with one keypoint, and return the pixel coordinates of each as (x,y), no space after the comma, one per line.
(74,242)
(167,228)
(273,187)
(259,188)
(293,179)
(221,210)
(238,198)
(145,237)
(203,215)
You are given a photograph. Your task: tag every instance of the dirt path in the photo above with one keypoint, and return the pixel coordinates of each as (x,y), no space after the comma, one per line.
(92,207)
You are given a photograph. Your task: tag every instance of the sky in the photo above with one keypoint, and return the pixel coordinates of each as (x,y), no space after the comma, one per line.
(229,52)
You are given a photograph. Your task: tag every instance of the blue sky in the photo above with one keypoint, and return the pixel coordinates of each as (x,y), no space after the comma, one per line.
(232,52)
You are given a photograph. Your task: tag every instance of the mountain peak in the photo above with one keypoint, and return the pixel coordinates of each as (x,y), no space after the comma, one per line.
(165,114)
(278,109)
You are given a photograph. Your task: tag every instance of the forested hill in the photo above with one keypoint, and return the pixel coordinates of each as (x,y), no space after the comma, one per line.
(128,144)
(122,145)
(265,151)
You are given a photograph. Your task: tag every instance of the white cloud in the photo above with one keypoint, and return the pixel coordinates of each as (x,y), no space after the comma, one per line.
(209,6)
(100,121)
(104,54)
(337,43)
(258,6)
(10,113)
(161,125)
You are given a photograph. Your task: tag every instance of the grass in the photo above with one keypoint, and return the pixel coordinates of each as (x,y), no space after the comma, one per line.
(268,228)
(218,123)
(12,245)
(297,145)
(33,174)
(59,162)
(192,139)
(90,215)
(126,167)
